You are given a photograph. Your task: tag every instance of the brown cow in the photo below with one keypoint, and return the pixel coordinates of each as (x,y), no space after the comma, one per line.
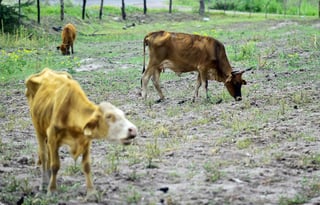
(68,37)
(62,114)
(185,53)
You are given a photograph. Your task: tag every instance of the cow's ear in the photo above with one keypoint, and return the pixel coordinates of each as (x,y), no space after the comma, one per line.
(244,82)
(229,78)
(88,128)
(91,125)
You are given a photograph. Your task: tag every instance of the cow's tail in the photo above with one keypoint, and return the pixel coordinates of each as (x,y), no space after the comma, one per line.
(145,43)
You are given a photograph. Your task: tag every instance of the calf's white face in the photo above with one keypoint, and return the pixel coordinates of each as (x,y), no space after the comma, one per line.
(120,128)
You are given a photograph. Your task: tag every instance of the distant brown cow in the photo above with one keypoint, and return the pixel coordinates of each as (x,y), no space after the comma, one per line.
(185,53)
(68,37)
(62,114)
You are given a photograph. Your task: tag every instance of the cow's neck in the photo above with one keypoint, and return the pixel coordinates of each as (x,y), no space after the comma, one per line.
(223,75)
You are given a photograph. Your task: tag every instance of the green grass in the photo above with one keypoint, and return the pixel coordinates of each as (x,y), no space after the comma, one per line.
(21,54)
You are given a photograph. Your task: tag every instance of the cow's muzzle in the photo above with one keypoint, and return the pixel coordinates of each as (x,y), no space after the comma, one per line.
(132,133)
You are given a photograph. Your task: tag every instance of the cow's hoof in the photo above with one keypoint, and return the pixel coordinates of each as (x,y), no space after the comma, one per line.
(219,101)
(181,102)
(159,101)
(52,193)
(92,196)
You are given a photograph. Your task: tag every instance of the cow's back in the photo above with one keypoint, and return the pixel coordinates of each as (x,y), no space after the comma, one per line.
(34,82)
(48,92)
(68,34)
(185,52)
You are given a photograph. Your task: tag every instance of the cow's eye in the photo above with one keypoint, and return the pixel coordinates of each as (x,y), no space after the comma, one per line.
(109,116)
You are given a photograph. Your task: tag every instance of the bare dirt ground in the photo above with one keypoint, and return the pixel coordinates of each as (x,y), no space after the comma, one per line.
(262,150)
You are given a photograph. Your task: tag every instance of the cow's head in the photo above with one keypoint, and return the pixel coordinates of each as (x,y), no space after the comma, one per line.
(110,123)
(65,49)
(234,83)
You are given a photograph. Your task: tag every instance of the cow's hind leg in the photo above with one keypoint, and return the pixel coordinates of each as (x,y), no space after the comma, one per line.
(156,83)
(144,83)
(148,73)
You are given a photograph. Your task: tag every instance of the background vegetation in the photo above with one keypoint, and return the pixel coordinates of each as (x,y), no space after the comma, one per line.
(262,150)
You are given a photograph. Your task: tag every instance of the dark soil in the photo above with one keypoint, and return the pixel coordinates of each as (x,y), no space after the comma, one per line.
(262,150)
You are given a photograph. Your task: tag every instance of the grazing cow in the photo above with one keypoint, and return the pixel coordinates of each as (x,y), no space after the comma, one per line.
(68,37)
(62,114)
(185,53)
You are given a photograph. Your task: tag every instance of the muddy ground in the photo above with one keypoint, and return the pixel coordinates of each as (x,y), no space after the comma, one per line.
(262,150)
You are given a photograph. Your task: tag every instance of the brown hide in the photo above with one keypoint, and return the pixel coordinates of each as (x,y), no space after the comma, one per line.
(181,53)
(62,114)
(68,37)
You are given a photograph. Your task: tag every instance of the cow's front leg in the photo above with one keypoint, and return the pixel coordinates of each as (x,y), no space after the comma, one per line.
(54,158)
(204,81)
(206,89)
(87,168)
(43,160)
(198,85)
(92,194)
(72,48)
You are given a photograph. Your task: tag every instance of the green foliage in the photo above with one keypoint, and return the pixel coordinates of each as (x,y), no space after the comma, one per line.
(244,143)
(297,199)
(212,172)
(134,196)
(269,6)
(9,16)
(152,152)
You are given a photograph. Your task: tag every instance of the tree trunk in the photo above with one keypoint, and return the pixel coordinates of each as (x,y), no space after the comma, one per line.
(319,9)
(201,8)
(144,7)
(285,7)
(266,11)
(170,6)
(101,9)
(84,9)
(299,7)
(251,3)
(61,10)
(123,10)
(38,10)
(19,17)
